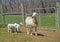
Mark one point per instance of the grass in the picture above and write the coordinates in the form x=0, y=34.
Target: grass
x=50, y=36
x=13, y=37
x=13, y=19
x=45, y=21
x=3, y=25
x=48, y=21
x=0, y=18
x=27, y=39
x=10, y=19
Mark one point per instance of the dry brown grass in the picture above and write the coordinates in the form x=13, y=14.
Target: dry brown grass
x=43, y=36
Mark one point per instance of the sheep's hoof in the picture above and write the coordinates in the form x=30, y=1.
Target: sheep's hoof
x=8, y=31
x=27, y=33
x=31, y=34
x=35, y=34
x=12, y=31
x=18, y=31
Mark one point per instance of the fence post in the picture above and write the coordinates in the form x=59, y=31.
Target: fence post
x=3, y=15
x=57, y=16
x=3, y=19
x=23, y=13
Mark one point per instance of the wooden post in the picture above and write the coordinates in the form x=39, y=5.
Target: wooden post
x=57, y=16
x=3, y=16
x=23, y=13
x=3, y=19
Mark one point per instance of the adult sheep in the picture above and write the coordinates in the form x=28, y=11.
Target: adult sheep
x=31, y=22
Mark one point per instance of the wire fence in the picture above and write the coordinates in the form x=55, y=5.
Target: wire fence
x=58, y=18
x=11, y=19
x=45, y=20
x=48, y=16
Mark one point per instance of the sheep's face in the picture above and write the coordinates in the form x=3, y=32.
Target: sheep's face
x=21, y=24
x=34, y=14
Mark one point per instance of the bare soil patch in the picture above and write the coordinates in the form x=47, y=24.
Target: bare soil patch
x=43, y=36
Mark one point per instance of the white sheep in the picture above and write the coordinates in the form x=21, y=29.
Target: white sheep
x=31, y=22
x=16, y=26
x=10, y=27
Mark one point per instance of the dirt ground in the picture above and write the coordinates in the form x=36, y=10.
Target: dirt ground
x=43, y=36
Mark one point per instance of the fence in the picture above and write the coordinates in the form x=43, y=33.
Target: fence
x=45, y=20
x=48, y=17
x=12, y=17
x=58, y=18
x=48, y=14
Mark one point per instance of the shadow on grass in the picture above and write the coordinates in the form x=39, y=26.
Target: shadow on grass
x=16, y=31
x=39, y=34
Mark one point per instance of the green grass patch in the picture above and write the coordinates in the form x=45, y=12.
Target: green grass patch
x=0, y=18
x=3, y=25
x=14, y=36
x=27, y=39
x=3, y=33
x=13, y=19
x=46, y=21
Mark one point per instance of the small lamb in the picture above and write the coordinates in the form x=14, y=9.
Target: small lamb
x=10, y=27
x=16, y=26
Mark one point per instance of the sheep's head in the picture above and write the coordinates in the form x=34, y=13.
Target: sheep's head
x=15, y=23
x=21, y=23
x=34, y=14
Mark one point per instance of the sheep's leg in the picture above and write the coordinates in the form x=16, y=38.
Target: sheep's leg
x=17, y=30
x=12, y=29
x=35, y=31
x=28, y=31
x=31, y=31
x=9, y=29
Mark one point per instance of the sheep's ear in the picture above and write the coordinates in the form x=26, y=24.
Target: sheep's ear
x=15, y=23
x=21, y=23
x=34, y=14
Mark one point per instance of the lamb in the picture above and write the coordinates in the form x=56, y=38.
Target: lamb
x=16, y=26
x=10, y=27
